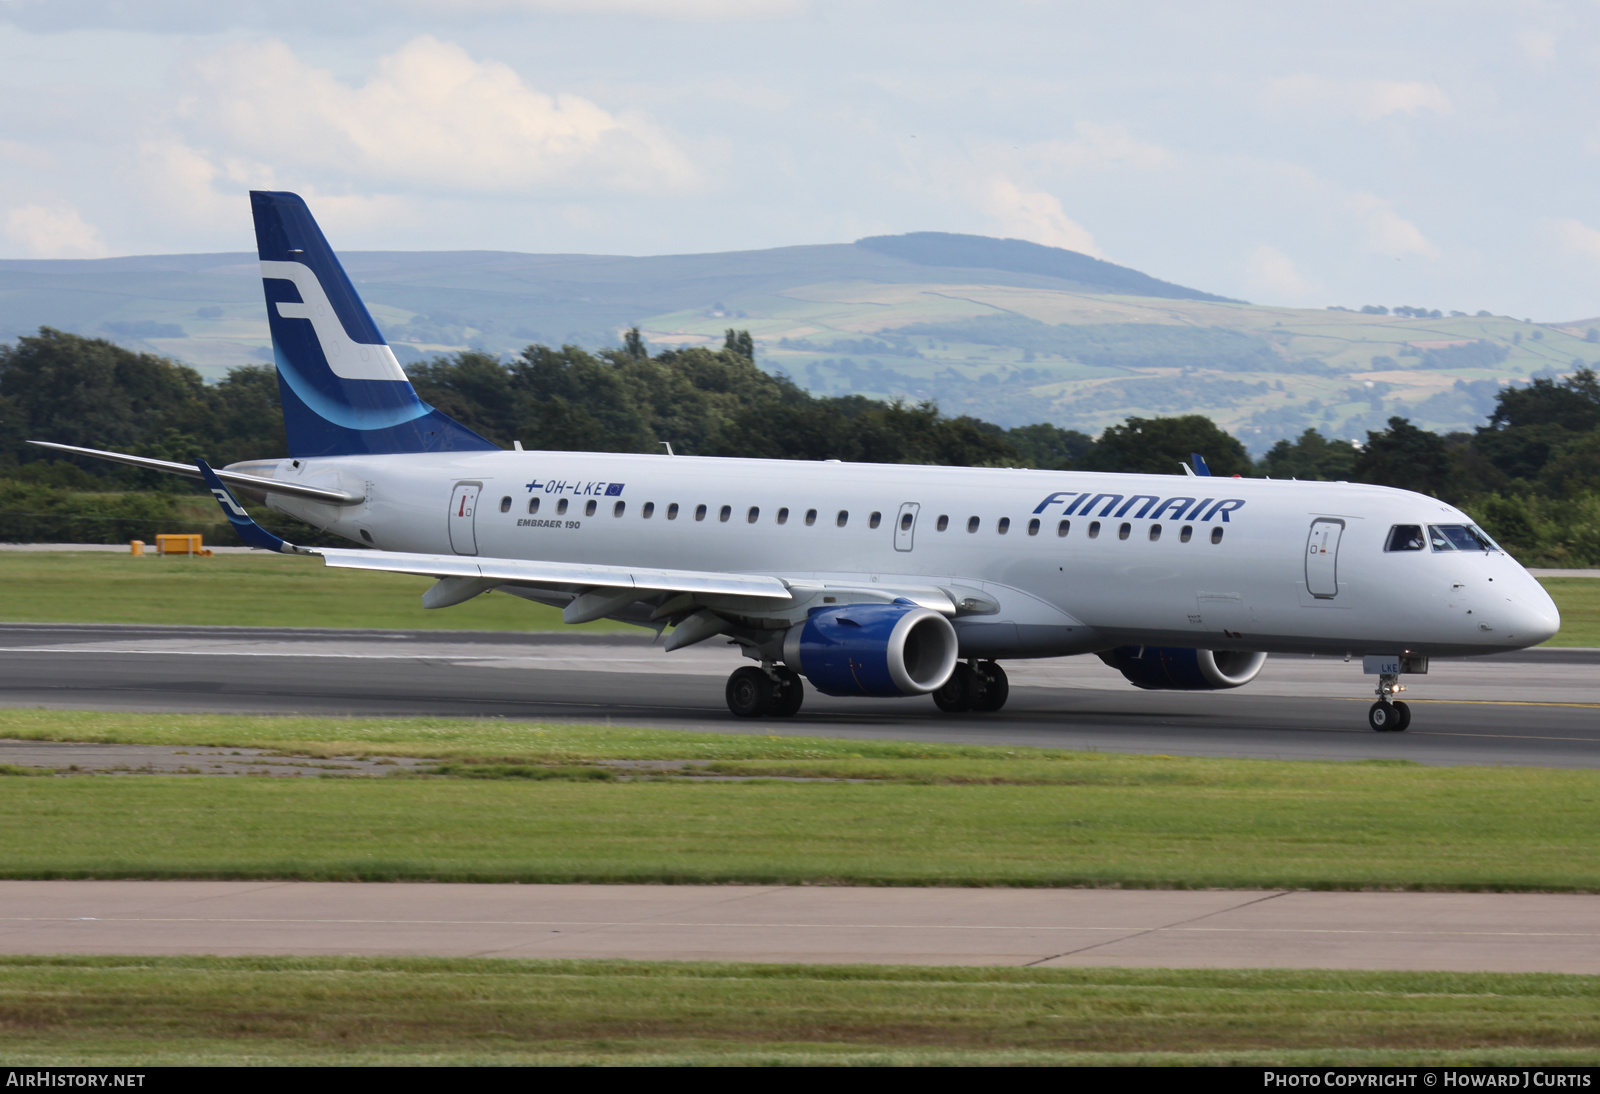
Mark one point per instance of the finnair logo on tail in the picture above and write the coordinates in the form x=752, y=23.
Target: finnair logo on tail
x=231, y=507
x=349, y=360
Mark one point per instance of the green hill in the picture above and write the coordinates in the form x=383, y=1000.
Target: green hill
x=1003, y=329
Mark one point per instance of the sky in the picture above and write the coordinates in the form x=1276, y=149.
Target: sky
x=1434, y=154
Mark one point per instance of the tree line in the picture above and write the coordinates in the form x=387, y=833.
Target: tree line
x=1531, y=473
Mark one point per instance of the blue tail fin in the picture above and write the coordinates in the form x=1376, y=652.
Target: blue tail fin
x=343, y=391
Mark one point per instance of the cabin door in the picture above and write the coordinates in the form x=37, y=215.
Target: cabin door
x=1322, y=558
x=463, y=504
x=905, y=525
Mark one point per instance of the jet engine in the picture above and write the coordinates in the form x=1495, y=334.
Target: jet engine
x=1165, y=668
x=881, y=650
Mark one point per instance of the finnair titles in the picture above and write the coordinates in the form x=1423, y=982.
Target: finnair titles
x=887, y=581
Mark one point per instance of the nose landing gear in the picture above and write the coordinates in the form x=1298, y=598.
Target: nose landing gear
x=1388, y=715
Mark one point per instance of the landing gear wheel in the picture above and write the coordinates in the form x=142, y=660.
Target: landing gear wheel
x=787, y=695
x=993, y=687
x=958, y=692
x=749, y=692
x=1388, y=717
x=1404, y=710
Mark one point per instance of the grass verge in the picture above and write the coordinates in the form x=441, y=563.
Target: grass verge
x=152, y=1011
x=920, y=815
x=264, y=590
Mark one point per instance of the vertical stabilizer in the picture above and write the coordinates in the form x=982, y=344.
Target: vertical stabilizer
x=343, y=391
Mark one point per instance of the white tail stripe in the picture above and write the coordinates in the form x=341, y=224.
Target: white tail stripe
x=349, y=360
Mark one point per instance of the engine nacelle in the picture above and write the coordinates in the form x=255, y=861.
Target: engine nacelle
x=881, y=650
x=1164, y=668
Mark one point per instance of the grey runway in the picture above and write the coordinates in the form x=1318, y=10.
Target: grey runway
x=1540, y=707
x=1484, y=932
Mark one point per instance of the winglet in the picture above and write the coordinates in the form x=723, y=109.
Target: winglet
x=247, y=529
x=1199, y=462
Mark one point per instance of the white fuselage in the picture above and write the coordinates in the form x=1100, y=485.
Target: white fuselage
x=1263, y=583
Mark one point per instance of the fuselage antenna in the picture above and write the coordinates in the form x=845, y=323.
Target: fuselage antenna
x=670, y=452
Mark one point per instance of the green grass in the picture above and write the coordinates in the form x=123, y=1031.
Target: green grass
x=922, y=814
x=1579, y=601
x=131, y=1012
x=254, y=590
x=264, y=590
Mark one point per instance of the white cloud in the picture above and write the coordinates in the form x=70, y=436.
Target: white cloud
x=1386, y=231
x=1576, y=237
x=660, y=9
x=1035, y=216
x=1368, y=100
x=1099, y=148
x=428, y=116
x=1271, y=273
x=1537, y=45
x=53, y=231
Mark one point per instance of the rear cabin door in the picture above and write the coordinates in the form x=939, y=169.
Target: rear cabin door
x=1322, y=558
x=905, y=525
x=463, y=504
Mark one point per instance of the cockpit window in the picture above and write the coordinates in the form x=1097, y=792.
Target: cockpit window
x=1405, y=537
x=1460, y=537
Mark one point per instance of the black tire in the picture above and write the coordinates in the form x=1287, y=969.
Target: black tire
x=1404, y=710
x=1383, y=717
x=958, y=692
x=749, y=692
x=993, y=687
x=788, y=695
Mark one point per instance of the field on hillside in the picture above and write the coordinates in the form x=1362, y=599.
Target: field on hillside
x=1001, y=342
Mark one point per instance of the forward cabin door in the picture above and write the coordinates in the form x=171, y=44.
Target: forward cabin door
x=463, y=504
x=905, y=525
x=1322, y=558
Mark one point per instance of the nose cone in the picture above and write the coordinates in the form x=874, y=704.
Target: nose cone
x=1530, y=616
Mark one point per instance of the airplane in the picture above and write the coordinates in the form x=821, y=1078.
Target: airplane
x=859, y=579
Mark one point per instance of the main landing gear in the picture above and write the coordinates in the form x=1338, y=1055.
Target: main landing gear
x=1388, y=715
x=774, y=692
x=979, y=686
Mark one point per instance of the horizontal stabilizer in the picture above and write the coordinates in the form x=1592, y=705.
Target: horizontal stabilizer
x=253, y=484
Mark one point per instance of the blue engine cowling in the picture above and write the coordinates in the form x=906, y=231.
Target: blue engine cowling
x=1165, y=668
x=880, y=650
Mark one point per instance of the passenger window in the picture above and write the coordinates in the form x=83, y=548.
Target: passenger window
x=1405, y=537
x=753, y=515
x=672, y=511
x=1063, y=528
x=874, y=520
x=649, y=510
x=905, y=522
x=505, y=504
x=724, y=513
x=588, y=510
x=783, y=516
x=699, y=512
x=811, y=517
x=618, y=509
x=561, y=507
x=943, y=523
x=1003, y=526
x=1094, y=529
x=1122, y=533
x=972, y=524
x=533, y=506
x=1033, y=526
x=1155, y=532
x=1186, y=533
x=1216, y=535
x=843, y=518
